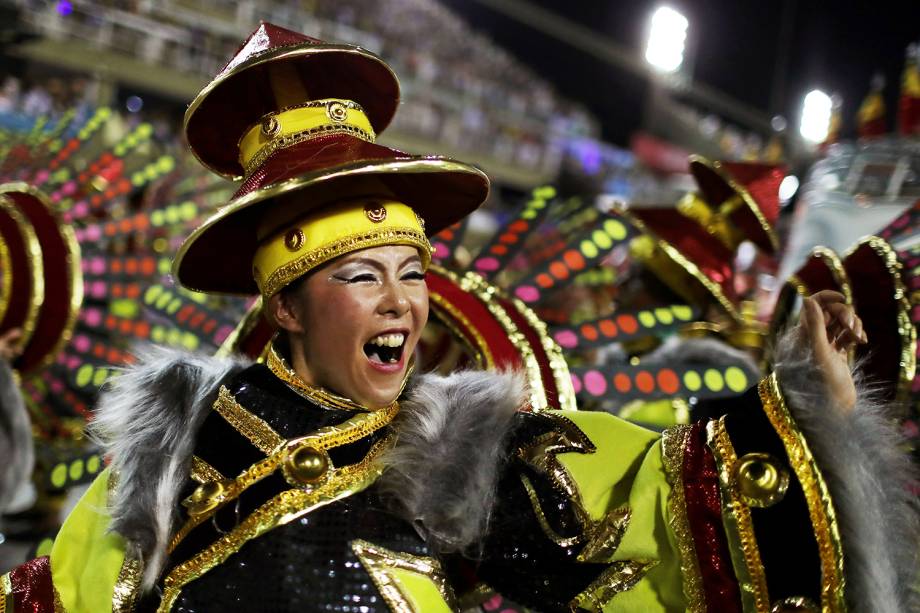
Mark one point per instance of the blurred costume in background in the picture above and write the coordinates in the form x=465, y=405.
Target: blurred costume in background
x=235, y=485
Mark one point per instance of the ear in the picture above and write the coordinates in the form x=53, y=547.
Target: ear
x=282, y=313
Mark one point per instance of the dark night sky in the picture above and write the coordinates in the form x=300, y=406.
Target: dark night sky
x=835, y=46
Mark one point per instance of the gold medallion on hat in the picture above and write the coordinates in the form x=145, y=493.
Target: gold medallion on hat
x=336, y=110
x=294, y=239
x=375, y=211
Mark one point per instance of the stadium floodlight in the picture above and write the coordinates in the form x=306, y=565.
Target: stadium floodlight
x=816, y=116
x=668, y=33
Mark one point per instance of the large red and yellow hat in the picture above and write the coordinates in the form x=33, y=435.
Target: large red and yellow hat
x=297, y=119
x=41, y=283
x=746, y=194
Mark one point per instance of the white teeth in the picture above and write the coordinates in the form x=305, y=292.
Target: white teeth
x=388, y=340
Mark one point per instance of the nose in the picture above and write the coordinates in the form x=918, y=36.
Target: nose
x=394, y=302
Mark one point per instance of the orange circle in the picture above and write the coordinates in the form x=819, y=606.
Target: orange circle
x=142, y=222
x=98, y=351
x=499, y=249
x=508, y=238
x=125, y=326
x=589, y=332
x=446, y=235
x=558, y=270
x=134, y=290
x=608, y=328
x=125, y=224
x=209, y=326
x=518, y=226
x=116, y=290
x=196, y=320
x=645, y=382
x=131, y=266
x=574, y=259
x=628, y=324
x=148, y=266
x=622, y=383
x=544, y=280
x=116, y=266
x=142, y=329
x=668, y=381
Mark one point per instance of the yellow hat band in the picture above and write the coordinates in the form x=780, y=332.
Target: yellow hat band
x=319, y=237
x=305, y=122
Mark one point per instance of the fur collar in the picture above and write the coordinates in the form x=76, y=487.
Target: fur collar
x=440, y=475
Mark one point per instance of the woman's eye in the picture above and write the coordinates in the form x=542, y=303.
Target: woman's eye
x=363, y=278
x=414, y=276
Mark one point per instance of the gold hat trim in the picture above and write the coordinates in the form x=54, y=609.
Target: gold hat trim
x=36, y=270
x=334, y=231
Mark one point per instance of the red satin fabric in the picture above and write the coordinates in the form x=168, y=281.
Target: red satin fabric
x=33, y=591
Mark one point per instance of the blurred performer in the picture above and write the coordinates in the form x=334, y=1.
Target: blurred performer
x=325, y=477
x=16, y=448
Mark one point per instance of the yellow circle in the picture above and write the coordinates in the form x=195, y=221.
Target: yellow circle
x=682, y=312
x=174, y=337
x=158, y=334
x=601, y=239
x=44, y=548
x=174, y=306
x=692, y=380
x=100, y=376
x=190, y=341
x=93, y=464
x=59, y=475
x=615, y=229
x=76, y=470
x=84, y=375
x=713, y=379
x=163, y=299
x=588, y=249
x=646, y=319
x=735, y=379
x=157, y=217
x=664, y=316
x=152, y=293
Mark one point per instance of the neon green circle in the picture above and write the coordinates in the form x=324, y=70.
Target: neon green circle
x=537, y=204
x=93, y=464
x=588, y=249
x=529, y=214
x=164, y=266
x=152, y=293
x=615, y=229
x=692, y=380
x=157, y=217
x=190, y=341
x=601, y=239
x=646, y=319
x=59, y=475
x=84, y=375
x=173, y=306
x=735, y=379
x=76, y=470
x=713, y=379
x=187, y=210
x=174, y=337
x=158, y=334
x=665, y=316
x=100, y=376
x=546, y=192
x=682, y=312
x=145, y=129
x=163, y=299
x=44, y=548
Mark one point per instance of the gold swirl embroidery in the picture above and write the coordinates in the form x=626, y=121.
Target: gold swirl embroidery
x=126, y=587
x=673, y=443
x=379, y=564
x=250, y=426
x=817, y=497
x=326, y=438
x=285, y=507
x=202, y=472
x=299, y=137
x=551, y=534
x=739, y=527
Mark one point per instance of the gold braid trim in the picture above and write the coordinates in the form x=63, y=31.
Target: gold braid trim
x=621, y=576
x=287, y=506
x=250, y=426
x=673, y=443
x=323, y=439
x=379, y=563
x=820, y=506
x=448, y=314
x=548, y=531
x=557, y=362
x=7, y=603
x=202, y=472
x=127, y=585
x=739, y=527
x=327, y=129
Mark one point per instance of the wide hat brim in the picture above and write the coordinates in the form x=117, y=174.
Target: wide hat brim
x=228, y=106
x=718, y=185
x=217, y=257
x=47, y=316
x=705, y=264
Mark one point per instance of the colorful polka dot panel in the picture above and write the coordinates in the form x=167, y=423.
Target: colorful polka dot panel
x=647, y=382
x=583, y=253
x=447, y=240
x=69, y=471
x=194, y=323
x=625, y=326
x=64, y=149
x=510, y=240
x=905, y=225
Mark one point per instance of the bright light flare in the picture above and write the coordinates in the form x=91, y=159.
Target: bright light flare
x=788, y=188
x=665, y=50
x=816, y=116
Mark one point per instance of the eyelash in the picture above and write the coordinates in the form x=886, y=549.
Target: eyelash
x=412, y=276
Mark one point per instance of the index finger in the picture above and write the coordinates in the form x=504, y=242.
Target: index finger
x=828, y=296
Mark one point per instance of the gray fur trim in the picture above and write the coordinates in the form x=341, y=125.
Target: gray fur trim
x=16, y=447
x=442, y=473
x=862, y=460
x=146, y=421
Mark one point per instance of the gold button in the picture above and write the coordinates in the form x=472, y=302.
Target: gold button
x=307, y=465
x=293, y=240
x=760, y=480
x=206, y=497
x=336, y=111
x=270, y=127
x=375, y=211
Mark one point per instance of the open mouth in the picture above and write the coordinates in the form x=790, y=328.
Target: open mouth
x=386, y=348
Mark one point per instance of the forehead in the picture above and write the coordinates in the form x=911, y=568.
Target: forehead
x=387, y=255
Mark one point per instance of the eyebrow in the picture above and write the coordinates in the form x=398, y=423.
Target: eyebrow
x=376, y=264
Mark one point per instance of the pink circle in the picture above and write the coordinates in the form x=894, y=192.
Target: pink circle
x=81, y=209
x=527, y=293
x=92, y=317
x=576, y=383
x=42, y=176
x=97, y=266
x=93, y=233
x=73, y=362
x=595, y=383
x=492, y=603
x=487, y=263
x=900, y=222
x=566, y=338
x=57, y=387
x=69, y=188
x=56, y=197
x=97, y=290
x=440, y=251
x=222, y=334
x=81, y=342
